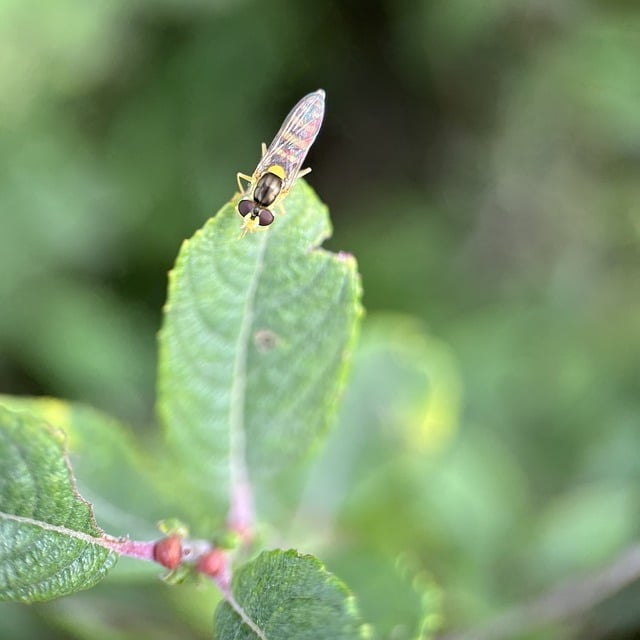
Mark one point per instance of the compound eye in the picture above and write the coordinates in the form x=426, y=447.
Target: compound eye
x=245, y=207
x=265, y=217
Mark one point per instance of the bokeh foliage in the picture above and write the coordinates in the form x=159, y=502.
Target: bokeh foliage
x=481, y=160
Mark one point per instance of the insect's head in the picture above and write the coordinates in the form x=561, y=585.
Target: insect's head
x=254, y=215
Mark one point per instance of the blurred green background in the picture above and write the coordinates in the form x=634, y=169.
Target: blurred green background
x=481, y=159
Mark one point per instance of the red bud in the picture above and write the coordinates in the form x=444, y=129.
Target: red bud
x=212, y=563
x=168, y=552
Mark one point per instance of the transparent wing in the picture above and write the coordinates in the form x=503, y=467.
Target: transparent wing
x=294, y=139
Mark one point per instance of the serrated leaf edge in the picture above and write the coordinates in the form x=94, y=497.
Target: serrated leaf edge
x=104, y=541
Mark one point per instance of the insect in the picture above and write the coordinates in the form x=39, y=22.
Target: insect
x=280, y=164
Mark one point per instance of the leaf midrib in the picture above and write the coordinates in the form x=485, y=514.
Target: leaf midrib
x=239, y=475
x=53, y=528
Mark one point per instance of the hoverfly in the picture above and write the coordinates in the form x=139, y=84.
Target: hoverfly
x=280, y=164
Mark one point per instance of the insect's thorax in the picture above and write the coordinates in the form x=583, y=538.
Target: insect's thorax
x=267, y=189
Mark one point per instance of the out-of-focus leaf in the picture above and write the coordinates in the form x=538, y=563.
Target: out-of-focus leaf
x=462, y=495
x=582, y=530
x=415, y=407
x=412, y=601
x=289, y=595
x=112, y=611
x=254, y=346
x=49, y=540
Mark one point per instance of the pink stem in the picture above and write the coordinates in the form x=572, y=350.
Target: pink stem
x=131, y=548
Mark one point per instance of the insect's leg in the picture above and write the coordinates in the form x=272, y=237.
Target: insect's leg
x=304, y=172
x=264, y=149
x=242, y=176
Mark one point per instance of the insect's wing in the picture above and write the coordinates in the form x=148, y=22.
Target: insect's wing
x=297, y=133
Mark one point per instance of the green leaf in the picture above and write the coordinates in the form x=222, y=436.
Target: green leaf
x=255, y=342
x=50, y=544
x=109, y=469
x=289, y=595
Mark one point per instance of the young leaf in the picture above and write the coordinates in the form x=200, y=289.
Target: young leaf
x=256, y=337
x=49, y=540
x=289, y=595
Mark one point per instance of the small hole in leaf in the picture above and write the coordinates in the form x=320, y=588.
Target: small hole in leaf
x=265, y=340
